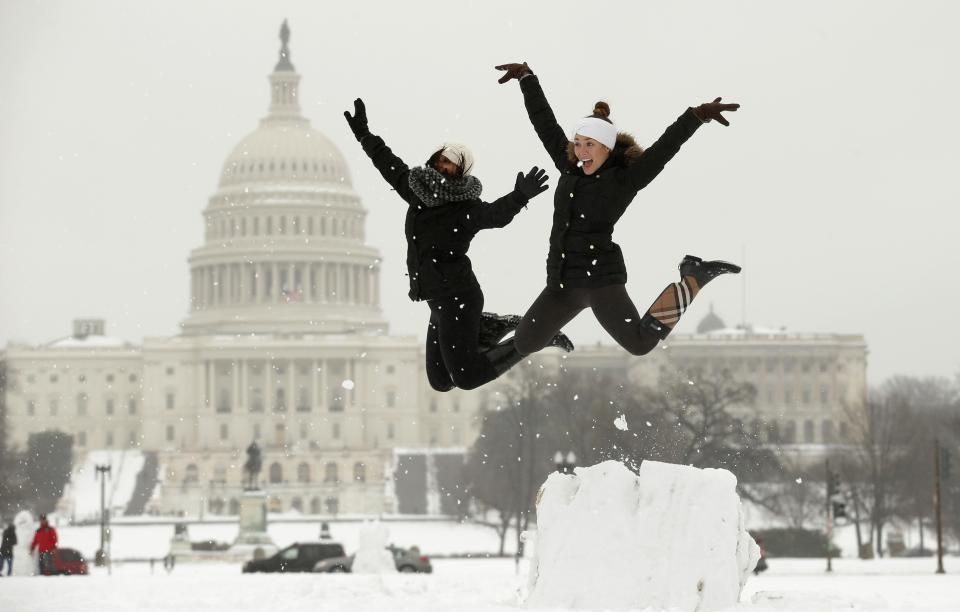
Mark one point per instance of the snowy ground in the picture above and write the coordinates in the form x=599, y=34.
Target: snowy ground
x=462, y=584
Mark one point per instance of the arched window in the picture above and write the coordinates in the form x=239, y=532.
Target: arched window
x=297, y=504
x=790, y=433
x=773, y=432
x=359, y=472
x=330, y=473
x=191, y=474
x=220, y=473
x=808, y=431
x=303, y=472
x=217, y=505
x=82, y=404
x=332, y=504
x=276, y=473
x=234, y=507
x=315, y=505
x=827, y=432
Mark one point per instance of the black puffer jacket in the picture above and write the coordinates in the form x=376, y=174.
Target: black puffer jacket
x=438, y=237
x=582, y=250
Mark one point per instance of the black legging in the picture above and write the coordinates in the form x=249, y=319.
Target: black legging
x=454, y=357
x=554, y=308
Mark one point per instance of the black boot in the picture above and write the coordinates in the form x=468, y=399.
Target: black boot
x=493, y=327
x=706, y=271
x=503, y=357
x=561, y=341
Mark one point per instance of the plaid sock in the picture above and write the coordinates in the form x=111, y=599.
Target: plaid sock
x=673, y=301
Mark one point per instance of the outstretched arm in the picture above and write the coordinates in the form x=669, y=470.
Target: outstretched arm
x=653, y=160
x=501, y=211
x=391, y=167
x=538, y=109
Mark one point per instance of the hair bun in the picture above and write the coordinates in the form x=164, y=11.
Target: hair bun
x=601, y=109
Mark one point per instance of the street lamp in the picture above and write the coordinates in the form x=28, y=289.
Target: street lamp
x=102, y=472
x=565, y=464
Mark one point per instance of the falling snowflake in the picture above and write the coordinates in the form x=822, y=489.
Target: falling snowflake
x=347, y=384
x=621, y=423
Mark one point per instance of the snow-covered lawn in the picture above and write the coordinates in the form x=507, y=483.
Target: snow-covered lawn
x=462, y=585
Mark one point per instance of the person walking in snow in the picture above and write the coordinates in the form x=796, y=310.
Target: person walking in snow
x=6, y=547
x=444, y=214
x=45, y=542
x=601, y=172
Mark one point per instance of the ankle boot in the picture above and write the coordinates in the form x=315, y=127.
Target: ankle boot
x=561, y=341
x=504, y=356
x=493, y=327
x=705, y=271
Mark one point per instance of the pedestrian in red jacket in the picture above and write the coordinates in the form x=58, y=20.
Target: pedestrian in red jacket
x=45, y=541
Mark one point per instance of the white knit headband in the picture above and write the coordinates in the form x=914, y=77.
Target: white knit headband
x=598, y=129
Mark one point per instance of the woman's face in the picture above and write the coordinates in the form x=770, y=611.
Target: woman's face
x=446, y=167
x=590, y=152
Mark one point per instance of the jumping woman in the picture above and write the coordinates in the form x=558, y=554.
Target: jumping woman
x=601, y=171
x=444, y=214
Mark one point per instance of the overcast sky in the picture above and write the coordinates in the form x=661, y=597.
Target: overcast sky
x=837, y=178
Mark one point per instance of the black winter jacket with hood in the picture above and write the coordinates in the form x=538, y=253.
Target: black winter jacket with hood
x=438, y=237
x=586, y=207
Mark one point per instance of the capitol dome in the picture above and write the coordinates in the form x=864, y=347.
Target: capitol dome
x=710, y=323
x=288, y=151
x=284, y=249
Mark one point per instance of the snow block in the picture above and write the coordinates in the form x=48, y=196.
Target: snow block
x=668, y=537
x=373, y=556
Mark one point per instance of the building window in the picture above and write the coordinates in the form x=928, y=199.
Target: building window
x=170, y=370
x=359, y=472
x=109, y=407
x=824, y=395
x=256, y=431
x=330, y=473
x=276, y=473
x=132, y=405
x=390, y=369
x=303, y=473
x=297, y=504
x=53, y=378
x=790, y=433
x=333, y=505
x=54, y=407
x=82, y=404
x=224, y=431
x=82, y=378
x=280, y=401
x=304, y=431
x=171, y=400
x=31, y=407
x=808, y=432
x=109, y=378
x=256, y=400
x=191, y=474
x=81, y=438
x=108, y=440
x=827, y=432
x=223, y=401
x=806, y=396
x=133, y=378
x=170, y=433
x=303, y=400
x=336, y=431
x=390, y=431
x=280, y=434
x=391, y=399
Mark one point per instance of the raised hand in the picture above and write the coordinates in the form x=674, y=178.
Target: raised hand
x=709, y=111
x=358, y=121
x=533, y=184
x=514, y=71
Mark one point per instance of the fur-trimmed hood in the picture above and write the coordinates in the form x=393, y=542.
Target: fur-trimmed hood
x=625, y=152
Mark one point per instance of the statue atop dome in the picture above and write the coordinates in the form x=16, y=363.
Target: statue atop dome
x=284, y=63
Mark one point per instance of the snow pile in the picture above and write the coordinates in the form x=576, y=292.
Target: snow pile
x=82, y=495
x=373, y=556
x=670, y=537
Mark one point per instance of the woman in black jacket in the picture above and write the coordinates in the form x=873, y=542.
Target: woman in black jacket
x=601, y=172
x=445, y=213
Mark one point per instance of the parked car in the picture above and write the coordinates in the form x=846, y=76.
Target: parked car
x=67, y=561
x=298, y=557
x=407, y=561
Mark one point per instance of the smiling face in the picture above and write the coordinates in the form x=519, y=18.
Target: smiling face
x=591, y=152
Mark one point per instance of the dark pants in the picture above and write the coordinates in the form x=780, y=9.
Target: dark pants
x=454, y=357
x=613, y=308
x=8, y=559
x=46, y=564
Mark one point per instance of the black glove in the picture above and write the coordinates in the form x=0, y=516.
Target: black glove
x=358, y=121
x=533, y=184
x=514, y=71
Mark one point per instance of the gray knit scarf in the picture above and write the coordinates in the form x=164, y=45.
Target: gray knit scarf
x=434, y=189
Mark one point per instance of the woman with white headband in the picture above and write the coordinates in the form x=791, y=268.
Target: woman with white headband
x=601, y=172
x=444, y=213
